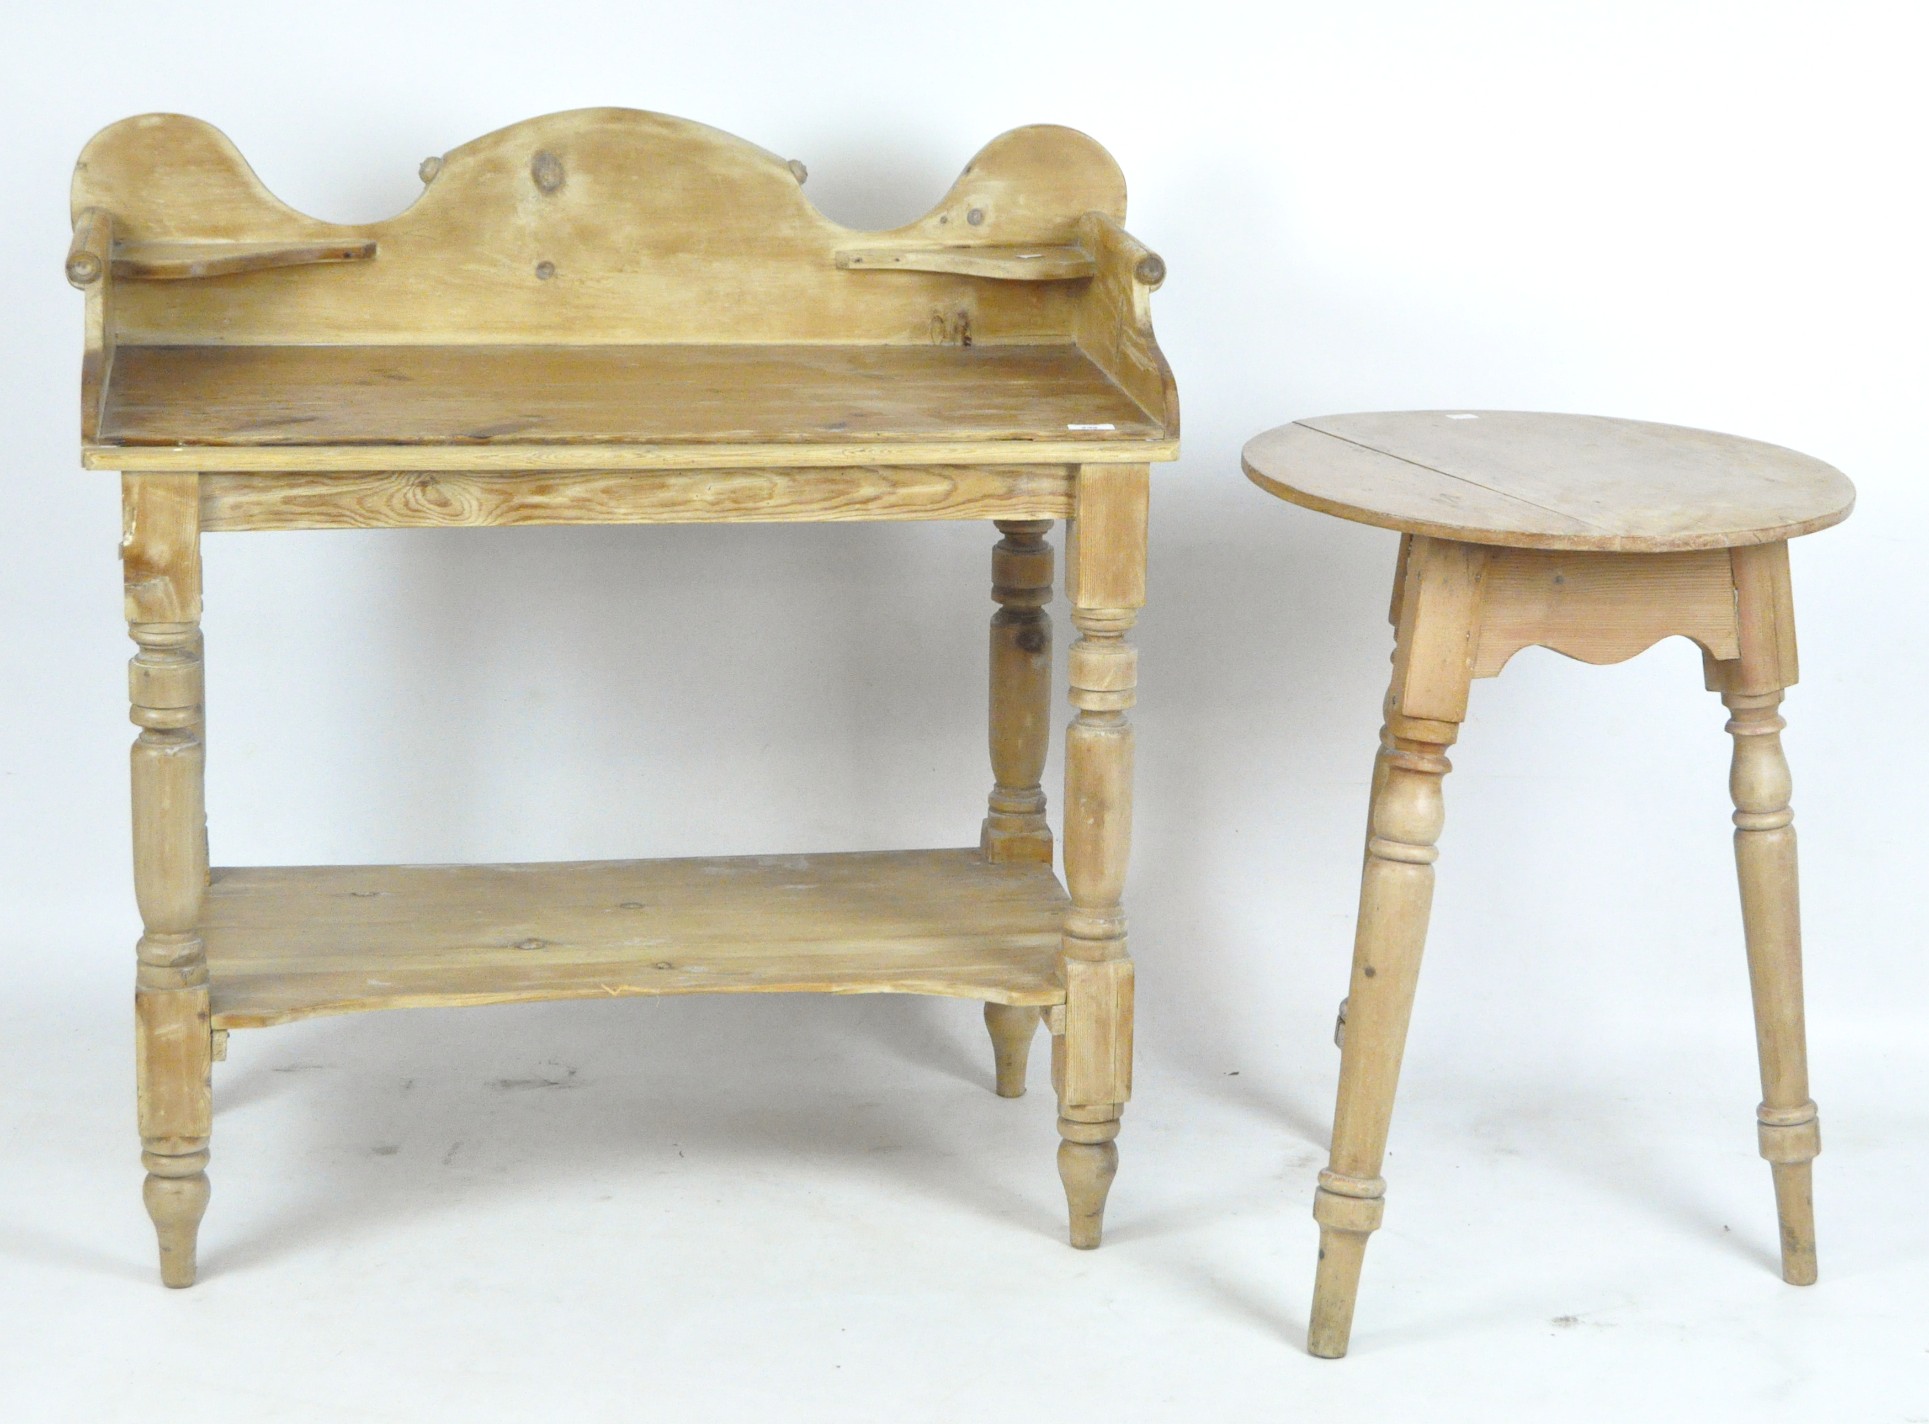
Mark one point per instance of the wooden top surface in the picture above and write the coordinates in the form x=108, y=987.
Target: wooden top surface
x=1549, y=481
x=300, y=396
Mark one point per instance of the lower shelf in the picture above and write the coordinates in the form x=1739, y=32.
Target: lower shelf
x=286, y=943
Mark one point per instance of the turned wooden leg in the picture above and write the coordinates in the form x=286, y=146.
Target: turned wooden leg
x=1428, y=699
x=1396, y=603
x=1012, y=1028
x=1015, y=828
x=1396, y=896
x=1759, y=782
x=1092, y=1055
x=1373, y=795
x=173, y=1045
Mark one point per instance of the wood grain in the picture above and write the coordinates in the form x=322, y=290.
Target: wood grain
x=1549, y=481
x=598, y=395
x=1461, y=608
x=1032, y=262
x=1019, y=706
x=1603, y=608
x=161, y=567
x=188, y=261
x=292, y=943
x=90, y=250
x=1113, y=322
x=609, y=316
x=422, y=499
x=639, y=228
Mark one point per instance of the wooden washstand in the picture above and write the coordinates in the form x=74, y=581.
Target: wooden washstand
x=615, y=317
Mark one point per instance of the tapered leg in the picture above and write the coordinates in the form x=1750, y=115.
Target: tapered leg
x=1751, y=687
x=1012, y=1028
x=1771, y=919
x=1396, y=896
x=173, y=1047
x=1092, y=1056
x=1436, y=613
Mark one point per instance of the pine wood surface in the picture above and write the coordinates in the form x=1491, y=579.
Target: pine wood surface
x=579, y=395
x=605, y=228
x=187, y=261
x=286, y=943
x=609, y=316
x=1019, y=262
x=1546, y=481
x=419, y=499
x=654, y=229
x=1460, y=610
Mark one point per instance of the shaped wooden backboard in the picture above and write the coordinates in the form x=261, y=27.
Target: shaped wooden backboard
x=593, y=226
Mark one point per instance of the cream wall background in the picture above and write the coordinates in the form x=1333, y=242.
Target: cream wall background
x=1709, y=214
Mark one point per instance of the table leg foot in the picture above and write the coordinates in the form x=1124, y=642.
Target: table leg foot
x=176, y=1193
x=1012, y=1028
x=1088, y=1160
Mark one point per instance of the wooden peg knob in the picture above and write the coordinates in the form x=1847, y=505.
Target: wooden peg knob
x=798, y=171
x=430, y=167
x=1151, y=269
x=547, y=171
x=87, y=256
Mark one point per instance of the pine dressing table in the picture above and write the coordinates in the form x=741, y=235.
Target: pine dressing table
x=603, y=317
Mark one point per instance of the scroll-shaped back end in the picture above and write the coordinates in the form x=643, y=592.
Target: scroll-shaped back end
x=589, y=227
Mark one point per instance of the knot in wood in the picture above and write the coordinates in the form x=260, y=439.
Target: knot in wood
x=547, y=171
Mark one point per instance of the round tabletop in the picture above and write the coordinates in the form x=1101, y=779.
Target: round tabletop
x=1549, y=481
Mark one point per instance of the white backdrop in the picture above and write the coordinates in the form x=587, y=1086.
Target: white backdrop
x=1708, y=214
